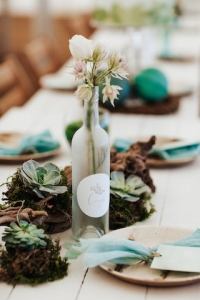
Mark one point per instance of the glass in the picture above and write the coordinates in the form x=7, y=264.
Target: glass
x=90, y=175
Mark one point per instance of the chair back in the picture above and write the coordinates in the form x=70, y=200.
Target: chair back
x=41, y=56
x=15, y=86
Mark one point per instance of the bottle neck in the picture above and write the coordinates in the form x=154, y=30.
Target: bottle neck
x=91, y=110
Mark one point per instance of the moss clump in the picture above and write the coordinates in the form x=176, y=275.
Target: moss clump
x=125, y=213
x=33, y=267
x=17, y=190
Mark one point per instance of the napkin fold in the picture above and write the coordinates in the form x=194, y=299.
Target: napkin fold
x=37, y=143
x=120, y=251
x=168, y=151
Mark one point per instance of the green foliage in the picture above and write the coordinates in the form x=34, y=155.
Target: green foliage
x=43, y=180
x=17, y=190
x=24, y=235
x=130, y=200
x=129, y=189
x=33, y=267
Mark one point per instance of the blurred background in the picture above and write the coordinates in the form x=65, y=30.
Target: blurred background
x=34, y=34
x=22, y=20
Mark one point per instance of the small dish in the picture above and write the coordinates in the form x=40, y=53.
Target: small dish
x=58, y=82
x=11, y=139
x=155, y=160
x=141, y=273
x=163, y=143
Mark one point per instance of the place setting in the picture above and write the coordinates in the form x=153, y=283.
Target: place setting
x=16, y=147
x=166, y=152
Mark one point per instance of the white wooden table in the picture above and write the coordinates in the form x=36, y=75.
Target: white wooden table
x=177, y=197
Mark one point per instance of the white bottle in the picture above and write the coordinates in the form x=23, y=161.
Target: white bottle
x=90, y=175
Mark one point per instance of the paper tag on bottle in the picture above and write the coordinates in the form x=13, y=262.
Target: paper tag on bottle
x=93, y=194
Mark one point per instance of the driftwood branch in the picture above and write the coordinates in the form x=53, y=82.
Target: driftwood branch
x=133, y=161
x=10, y=214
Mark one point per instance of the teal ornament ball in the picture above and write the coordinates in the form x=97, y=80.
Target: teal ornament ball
x=123, y=94
x=151, y=85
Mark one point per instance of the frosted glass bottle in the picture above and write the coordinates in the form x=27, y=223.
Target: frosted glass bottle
x=90, y=175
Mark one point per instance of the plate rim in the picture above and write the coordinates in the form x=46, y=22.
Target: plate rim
x=147, y=282
x=155, y=162
x=25, y=157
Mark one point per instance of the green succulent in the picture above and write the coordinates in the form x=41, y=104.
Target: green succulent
x=42, y=180
x=129, y=189
x=24, y=235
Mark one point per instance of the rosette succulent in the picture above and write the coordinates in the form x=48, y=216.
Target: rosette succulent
x=43, y=180
x=129, y=200
x=24, y=235
x=129, y=189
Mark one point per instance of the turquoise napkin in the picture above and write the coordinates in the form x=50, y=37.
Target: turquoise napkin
x=122, y=145
x=177, y=150
x=37, y=143
x=119, y=250
x=169, y=151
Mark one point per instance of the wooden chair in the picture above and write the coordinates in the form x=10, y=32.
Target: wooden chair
x=80, y=25
x=39, y=57
x=67, y=26
x=15, y=86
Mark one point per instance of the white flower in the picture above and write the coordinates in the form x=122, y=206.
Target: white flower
x=110, y=91
x=84, y=92
x=79, y=69
x=88, y=59
x=80, y=47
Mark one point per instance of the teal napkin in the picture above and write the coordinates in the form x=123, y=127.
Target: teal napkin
x=122, y=145
x=120, y=251
x=177, y=150
x=170, y=151
x=37, y=143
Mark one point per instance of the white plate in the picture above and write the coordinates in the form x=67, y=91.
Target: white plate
x=160, y=163
x=157, y=162
x=59, y=82
x=180, y=89
x=11, y=139
x=142, y=273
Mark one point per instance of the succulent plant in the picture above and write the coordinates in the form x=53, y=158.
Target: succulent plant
x=129, y=189
x=42, y=180
x=25, y=235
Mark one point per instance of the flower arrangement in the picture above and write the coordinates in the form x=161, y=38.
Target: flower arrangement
x=87, y=66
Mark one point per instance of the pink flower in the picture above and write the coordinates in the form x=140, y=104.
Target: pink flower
x=122, y=60
x=84, y=92
x=118, y=63
x=110, y=91
x=79, y=69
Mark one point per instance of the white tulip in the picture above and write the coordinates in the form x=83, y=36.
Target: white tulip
x=80, y=47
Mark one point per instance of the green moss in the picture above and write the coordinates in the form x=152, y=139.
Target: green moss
x=125, y=213
x=33, y=267
x=17, y=190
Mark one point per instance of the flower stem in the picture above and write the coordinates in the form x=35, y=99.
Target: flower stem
x=89, y=126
